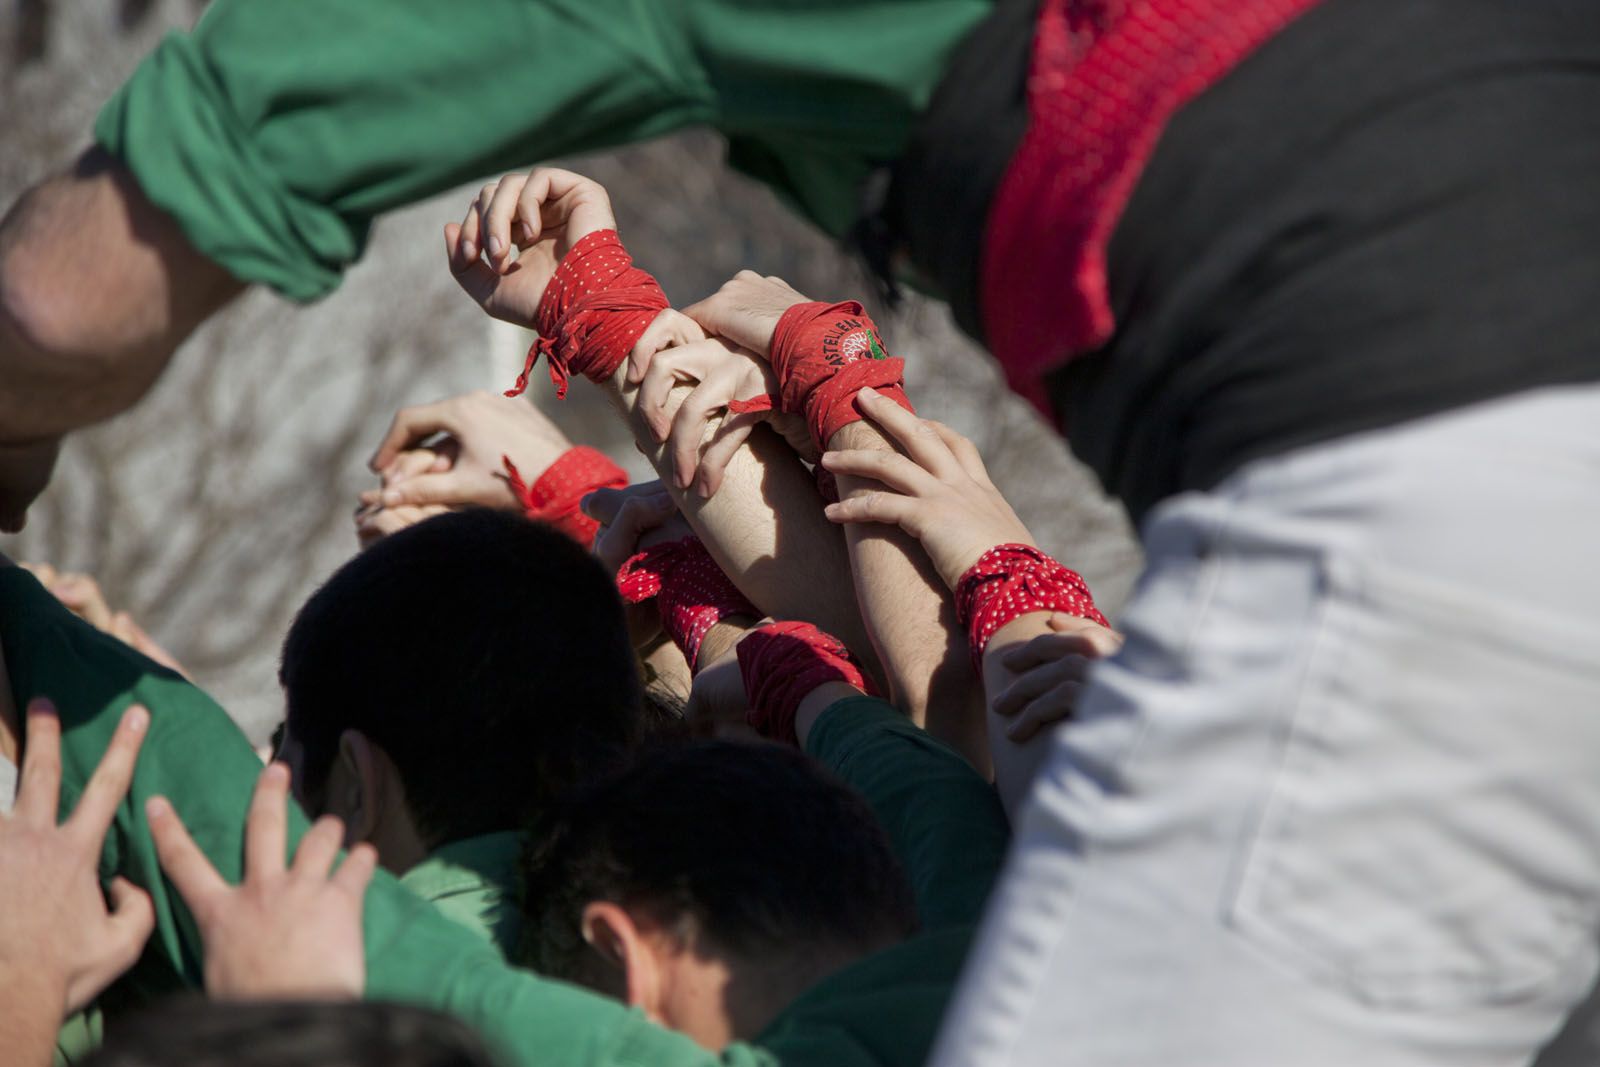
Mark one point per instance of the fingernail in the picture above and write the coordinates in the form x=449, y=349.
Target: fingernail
x=469, y=250
x=276, y=773
x=391, y=497
x=867, y=390
x=496, y=246
x=135, y=719
x=156, y=808
x=828, y=458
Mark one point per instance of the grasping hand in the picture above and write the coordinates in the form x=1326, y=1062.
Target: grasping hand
x=479, y=429
x=941, y=494
x=745, y=310
x=720, y=372
x=57, y=936
x=1050, y=671
x=542, y=214
x=281, y=933
x=631, y=520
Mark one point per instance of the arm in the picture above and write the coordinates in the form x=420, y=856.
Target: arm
x=196, y=758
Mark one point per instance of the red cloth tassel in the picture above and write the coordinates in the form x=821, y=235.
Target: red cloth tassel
x=691, y=591
x=555, y=497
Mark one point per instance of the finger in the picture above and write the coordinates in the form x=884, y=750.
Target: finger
x=874, y=506
x=409, y=464
x=1035, y=683
x=42, y=571
x=897, y=472
x=501, y=210
x=1046, y=648
x=688, y=431
x=447, y=488
x=319, y=847
x=471, y=229
x=454, y=256
x=1054, y=706
x=39, y=788
x=916, y=435
x=132, y=920
x=266, y=828
x=965, y=452
x=1106, y=641
x=602, y=505
x=670, y=370
x=723, y=446
x=669, y=329
x=410, y=427
x=355, y=873
x=185, y=865
x=109, y=783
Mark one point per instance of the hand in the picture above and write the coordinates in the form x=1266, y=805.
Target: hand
x=56, y=934
x=941, y=495
x=720, y=372
x=24, y=472
x=746, y=310
x=279, y=934
x=480, y=431
x=374, y=521
x=631, y=520
x=81, y=595
x=1050, y=671
x=542, y=214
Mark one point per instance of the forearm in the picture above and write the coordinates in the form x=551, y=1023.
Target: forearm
x=30, y=1018
x=764, y=527
x=911, y=620
x=97, y=288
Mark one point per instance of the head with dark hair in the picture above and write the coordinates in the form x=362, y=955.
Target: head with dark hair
x=190, y=1032
x=453, y=678
x=709, y=884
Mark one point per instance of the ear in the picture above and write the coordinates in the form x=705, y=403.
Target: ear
x=613, y=933
x=363, y=786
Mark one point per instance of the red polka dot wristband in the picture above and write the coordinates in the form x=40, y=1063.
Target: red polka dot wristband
x=592, y=313
x=555, y=495
x=782, y=663
x=1010, y=581
x=692, y=592
x=823, y=355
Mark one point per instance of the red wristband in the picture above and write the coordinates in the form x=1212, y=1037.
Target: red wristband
x=692, y=592
x=592, y=313
x=823, y=355
x=1010, y=581
x=555, y=495
x=782, y=663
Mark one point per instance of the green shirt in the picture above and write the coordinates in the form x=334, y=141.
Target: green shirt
x=278, y=130
x=473, y=881
x=883, y=1010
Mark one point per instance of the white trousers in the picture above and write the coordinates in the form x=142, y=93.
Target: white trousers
x=1337, y=800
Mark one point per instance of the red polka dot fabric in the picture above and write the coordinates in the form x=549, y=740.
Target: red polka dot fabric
x=1010, y=581
x=592, y=313
x=557, y=494
x=823, y=355
x=782, y=663
x=691, y=591
x=1105, y=78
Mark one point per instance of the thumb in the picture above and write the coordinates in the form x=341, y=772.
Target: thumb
x=133, y=918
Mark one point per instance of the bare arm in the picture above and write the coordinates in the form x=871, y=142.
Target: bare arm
x=97, y=288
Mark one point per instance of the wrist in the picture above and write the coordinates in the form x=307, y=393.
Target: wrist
x=723, y=638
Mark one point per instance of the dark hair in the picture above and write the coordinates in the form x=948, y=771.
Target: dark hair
x=486, y=654
x=751, y=849
x=191, y=1032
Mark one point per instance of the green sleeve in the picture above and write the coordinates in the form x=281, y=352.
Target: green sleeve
x=943, y=818
x=197, y=758
x=278, y=130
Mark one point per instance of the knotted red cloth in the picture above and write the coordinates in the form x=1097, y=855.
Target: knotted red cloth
x=555, y=495
x=1105, y=78
x=1013, y=580
x=781, y=663
x=692, y=592
x=592, y=313
x=823, y=355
